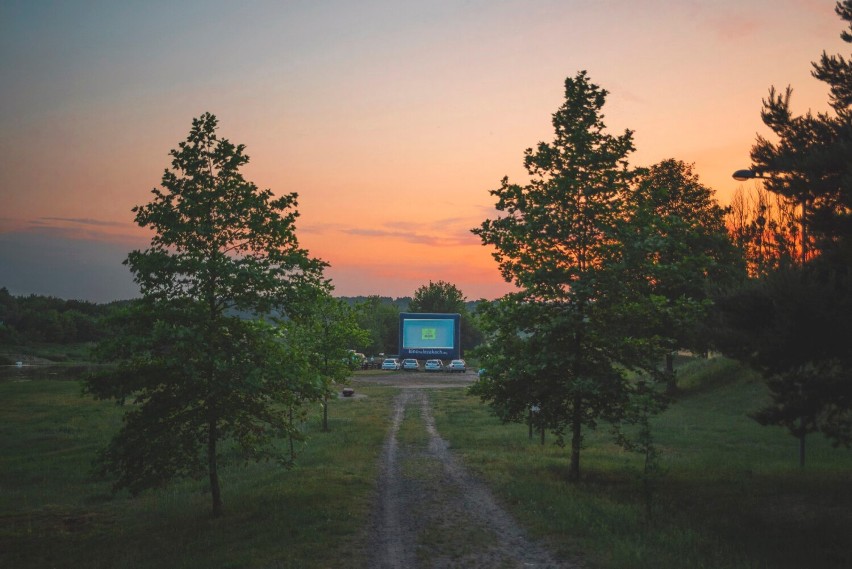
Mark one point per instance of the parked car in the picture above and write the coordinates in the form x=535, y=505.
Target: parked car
x=410, y=364
x=390, y=363
x=434, y=365
x=457, y=365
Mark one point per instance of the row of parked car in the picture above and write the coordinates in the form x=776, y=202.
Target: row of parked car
x=410, y=364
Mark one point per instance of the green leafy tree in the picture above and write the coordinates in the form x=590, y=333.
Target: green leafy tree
x=446, y=298
x=195, y=373
x=328, y=333
x=380, y=318
x=555, y=241
x=440, y=297
x=676, y=250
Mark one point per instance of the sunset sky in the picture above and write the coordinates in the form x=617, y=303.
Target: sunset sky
x=391, y=119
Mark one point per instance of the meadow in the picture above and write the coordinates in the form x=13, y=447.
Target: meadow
x=729, y=494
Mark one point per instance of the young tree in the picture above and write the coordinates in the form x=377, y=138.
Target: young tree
x=195, y=373
x=557, y=237
x=328, y=333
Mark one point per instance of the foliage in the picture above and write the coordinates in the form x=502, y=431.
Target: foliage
x=547, y=344
x=615, y=269
x=793, y=323
x=381, y=320
x=197, y=375
x=677, y=242
x=794, y=327
x=34, y=318
x=327, y=334
x=443, y=297
x=810, y=163
x=438, y=297
x=676, y=252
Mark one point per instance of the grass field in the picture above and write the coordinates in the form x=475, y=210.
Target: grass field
x=53, y=514
x=730, y=496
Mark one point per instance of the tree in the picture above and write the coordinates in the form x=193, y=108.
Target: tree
x=438, y=297
x=557, y=238
x=794, y=329
x=195, y=372
x=792, y=324
x=327, y=334
x=765, y=228
x=445, y=298
x=676, y=247
x=381, y=320
x=810, y=162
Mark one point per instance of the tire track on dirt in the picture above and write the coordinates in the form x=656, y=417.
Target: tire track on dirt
x=432, y=513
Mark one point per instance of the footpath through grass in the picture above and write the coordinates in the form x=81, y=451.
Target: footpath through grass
x=731, y=494
x=53, y=514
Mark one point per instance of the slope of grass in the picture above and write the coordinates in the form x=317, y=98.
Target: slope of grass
x=53, y=514
x=730, y=494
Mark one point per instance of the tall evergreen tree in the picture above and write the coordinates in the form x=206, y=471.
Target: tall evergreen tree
x=810, y=164
x=793, y=324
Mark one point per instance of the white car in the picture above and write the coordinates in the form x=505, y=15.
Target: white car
x=434, y=365
x=457, y=365
x=410, y=364
x=390, y=363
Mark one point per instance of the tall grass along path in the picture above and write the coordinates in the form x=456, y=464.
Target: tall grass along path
x=431, y=512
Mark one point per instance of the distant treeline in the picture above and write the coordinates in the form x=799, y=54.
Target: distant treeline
x=35, y=318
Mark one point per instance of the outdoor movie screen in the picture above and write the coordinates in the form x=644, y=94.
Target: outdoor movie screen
x=424, y=335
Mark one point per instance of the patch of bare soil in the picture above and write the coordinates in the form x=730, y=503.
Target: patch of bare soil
x=432, y=513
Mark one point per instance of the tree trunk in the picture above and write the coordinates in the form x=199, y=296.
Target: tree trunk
x=671, y=382
x=325, y=415
x=576, y=441
x=530, y=421
x=802, y=445
x=290, y=436
x=215, y=492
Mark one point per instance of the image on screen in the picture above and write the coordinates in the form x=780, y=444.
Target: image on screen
x=428, y=333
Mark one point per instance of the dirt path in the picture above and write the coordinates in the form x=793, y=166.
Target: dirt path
x=432, y=513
